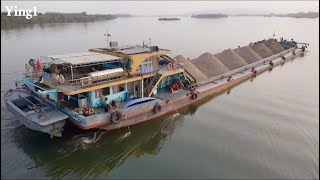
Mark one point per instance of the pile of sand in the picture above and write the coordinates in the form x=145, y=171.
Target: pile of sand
x=191, y=69
x=274, y=46
x=209, y=65
x=249, y=55
x=231, y=59
x=262, y=50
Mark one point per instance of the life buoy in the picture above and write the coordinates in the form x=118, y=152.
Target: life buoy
x=157, y=108
x=91, y=111
x=86, y=112
x=175, y=65
x=194, y=96
x=116, y=117
x=56, y=77
x=170, y=66
x=61, y=79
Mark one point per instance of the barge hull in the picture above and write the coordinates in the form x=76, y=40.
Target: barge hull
x=172, y=107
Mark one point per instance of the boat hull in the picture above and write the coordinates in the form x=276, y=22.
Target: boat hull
x=171, y=105
x=53, y=127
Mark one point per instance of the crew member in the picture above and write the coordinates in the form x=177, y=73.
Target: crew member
x=105, y=104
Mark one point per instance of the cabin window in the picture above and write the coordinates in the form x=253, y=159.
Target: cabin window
x=102, y=92
x=147, y=67
x=106, y=91
x=122, y=87
x=118, y=88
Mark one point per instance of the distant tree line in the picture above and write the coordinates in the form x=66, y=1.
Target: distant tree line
x=297, y=15
x=293, y=15
x=209, y=16
x=51, y=17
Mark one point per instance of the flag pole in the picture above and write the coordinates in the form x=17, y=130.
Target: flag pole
x=108, y=38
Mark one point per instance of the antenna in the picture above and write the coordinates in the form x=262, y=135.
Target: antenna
x=108, y=35
x=150, y=41
x=274, y=33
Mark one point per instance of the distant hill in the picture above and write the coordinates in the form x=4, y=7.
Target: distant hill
x=52, y=17
x=293, y=15
x=168, y=19
x=209, y=16
x=297, y=15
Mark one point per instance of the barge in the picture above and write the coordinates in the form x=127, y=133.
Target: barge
x=112, y=88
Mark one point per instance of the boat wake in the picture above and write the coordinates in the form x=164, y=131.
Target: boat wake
x=127, y=134
x=84, y=141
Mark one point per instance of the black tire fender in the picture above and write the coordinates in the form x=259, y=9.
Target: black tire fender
x=116, y=117
x=157, y=108
x=194, y=96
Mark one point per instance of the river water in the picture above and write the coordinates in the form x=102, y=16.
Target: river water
x=265, y=128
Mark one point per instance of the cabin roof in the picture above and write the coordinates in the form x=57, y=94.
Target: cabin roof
x=83, y=58
x=133, y=50
x=138, y=50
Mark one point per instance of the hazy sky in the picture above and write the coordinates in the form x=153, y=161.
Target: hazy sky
x=167, y=7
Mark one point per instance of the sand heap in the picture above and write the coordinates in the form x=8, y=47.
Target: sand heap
x=262, y=50
x=191, y=69
x=249, y=55
x=231, y=59
x=209, y=65
x=274, y=46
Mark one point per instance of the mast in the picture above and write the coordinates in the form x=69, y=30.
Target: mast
x=108, y=42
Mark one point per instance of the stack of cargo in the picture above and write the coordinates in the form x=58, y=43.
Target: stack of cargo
x=231, y=59
x=249, y=55
x=191, y=69
x=262, y=50
x=209, y=65
x=274, y=46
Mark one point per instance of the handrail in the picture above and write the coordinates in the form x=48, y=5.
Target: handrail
x=155, y=86
x=87, y=81
x=243, y=68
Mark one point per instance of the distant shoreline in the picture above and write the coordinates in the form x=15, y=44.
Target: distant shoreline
x=169, y=19
x=8, y=22
x=292, y=15
x=53, y=17
x=209, y=16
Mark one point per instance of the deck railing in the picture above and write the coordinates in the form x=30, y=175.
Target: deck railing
x=249, y=66
x=54, y=79
x=84, y=81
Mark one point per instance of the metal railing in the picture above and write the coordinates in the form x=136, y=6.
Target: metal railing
x=249, y=66
x=85, y=81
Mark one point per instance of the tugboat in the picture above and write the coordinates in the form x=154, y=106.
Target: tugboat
x=112, y=88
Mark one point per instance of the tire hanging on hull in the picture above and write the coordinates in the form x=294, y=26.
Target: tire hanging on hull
x=116, y=117
x=157, y=108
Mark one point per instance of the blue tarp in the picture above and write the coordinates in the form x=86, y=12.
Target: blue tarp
x=138, y=101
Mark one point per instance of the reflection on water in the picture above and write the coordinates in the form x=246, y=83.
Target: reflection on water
x=264, y=128
x=95, y=153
